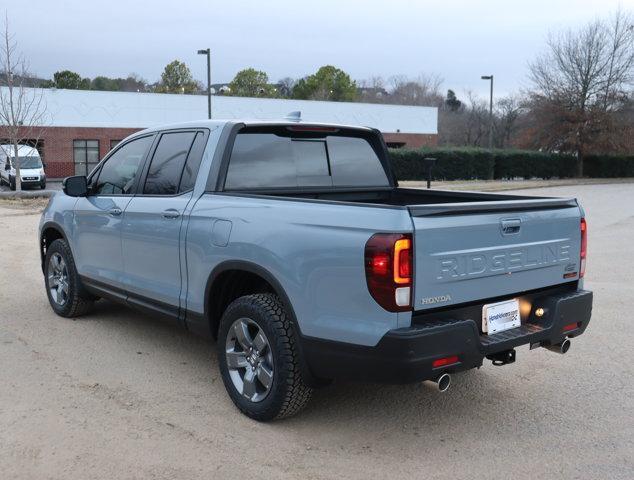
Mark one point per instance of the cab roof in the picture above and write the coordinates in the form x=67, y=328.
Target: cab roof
x=212, y=124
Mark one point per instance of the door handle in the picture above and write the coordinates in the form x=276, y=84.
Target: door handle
x=171, y=213
x=510, y=226
x=115, y=212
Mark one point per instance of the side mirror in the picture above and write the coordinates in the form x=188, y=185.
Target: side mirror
x=44, y=165
x=7, y=166
x=76, y=186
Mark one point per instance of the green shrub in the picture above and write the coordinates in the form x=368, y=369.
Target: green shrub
x=608, y=166
x=451, y=163
x=479, y=163
x=529, y=164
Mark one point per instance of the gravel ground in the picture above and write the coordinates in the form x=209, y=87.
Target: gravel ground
x=117, y=395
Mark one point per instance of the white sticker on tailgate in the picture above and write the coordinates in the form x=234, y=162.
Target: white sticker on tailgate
x=497, y=317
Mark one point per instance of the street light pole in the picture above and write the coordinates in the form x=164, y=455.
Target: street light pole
x=207, y=52
x=490, y=77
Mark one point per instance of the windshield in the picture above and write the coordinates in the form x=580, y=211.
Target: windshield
x=28, y=162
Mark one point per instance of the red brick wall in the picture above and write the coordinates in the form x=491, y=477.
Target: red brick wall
x=412, y=140
x=57, y=144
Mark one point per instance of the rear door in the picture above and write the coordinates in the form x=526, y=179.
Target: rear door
x=473, y=251
x=153, y=220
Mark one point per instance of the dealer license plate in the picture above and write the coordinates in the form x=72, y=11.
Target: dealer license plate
x=497, y=317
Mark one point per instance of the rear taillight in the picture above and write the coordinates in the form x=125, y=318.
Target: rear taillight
x=388, y=270
x=584, y=247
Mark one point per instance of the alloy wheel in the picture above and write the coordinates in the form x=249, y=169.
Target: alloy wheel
x=249, y=359
x=58, y=281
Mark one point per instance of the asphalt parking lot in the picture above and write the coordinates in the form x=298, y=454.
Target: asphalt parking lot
x=51, y=186
x=118, y=395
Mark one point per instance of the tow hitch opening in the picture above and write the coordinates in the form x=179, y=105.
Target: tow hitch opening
x=502, y=358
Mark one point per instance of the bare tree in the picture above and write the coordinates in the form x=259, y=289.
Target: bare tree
x=579, y=82
x=465, y=126
x=285, y=86
x=505, y=124
x=424, y=90
x=22, y=109
x=373, y=90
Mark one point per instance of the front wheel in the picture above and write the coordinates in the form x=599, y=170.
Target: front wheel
x=43, y=185
x=259, y=359
x=63, y=286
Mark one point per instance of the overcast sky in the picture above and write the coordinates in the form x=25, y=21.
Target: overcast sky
x=459, y=40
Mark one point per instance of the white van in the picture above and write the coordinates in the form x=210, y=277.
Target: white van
x=31, y=166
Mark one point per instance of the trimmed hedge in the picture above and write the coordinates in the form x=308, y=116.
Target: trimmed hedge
x=479, y=163
x=451, y=163
x=608, y=166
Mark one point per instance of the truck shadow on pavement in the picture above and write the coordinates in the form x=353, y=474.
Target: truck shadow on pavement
x=474, y=396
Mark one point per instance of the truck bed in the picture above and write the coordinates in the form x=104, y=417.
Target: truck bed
x=419, y=200
x=469, y=245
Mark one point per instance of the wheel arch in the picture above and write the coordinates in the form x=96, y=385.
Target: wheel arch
x=50, y=232
x=270, y=283
x=250, y=268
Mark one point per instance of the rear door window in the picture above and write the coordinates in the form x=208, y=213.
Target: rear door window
x=268, y=160
x=166, y=168
x=190, y=172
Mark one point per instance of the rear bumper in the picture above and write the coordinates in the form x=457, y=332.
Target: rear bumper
x=406, y=355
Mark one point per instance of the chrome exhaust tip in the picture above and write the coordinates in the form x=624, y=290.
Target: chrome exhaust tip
x=442, y=382
x=560, y=348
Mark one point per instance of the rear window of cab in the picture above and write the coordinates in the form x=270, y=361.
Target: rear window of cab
x=265, y=160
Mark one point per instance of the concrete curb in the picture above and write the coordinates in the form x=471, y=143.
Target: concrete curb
x=29, y=194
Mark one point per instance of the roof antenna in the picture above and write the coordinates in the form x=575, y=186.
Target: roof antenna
x=294, y=116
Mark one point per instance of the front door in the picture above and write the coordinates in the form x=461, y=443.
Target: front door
x=152, y=223
x=98, y=217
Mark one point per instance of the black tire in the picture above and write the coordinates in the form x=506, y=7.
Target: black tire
x=43, y=185
x=288, y=392
x=11, y=183
x=77, y=300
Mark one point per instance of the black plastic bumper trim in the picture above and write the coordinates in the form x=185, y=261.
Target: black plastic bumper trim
x=405, y=355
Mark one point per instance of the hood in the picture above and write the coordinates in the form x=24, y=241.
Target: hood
x=25, y=172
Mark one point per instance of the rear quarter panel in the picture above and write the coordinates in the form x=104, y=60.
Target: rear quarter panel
x=315, y=250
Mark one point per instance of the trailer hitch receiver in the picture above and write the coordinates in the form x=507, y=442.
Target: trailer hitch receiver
x=502, y=358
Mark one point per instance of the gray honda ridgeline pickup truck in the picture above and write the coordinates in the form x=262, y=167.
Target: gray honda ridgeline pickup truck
x=293, y=246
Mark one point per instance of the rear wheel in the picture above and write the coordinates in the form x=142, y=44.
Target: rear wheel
x=12, y=183
x=259, y=360
x=63, y=286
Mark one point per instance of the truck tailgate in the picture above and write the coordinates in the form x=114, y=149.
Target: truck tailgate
x=471, y=251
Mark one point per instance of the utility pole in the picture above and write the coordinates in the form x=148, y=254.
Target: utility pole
x=207, y=52
x=490, y=77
